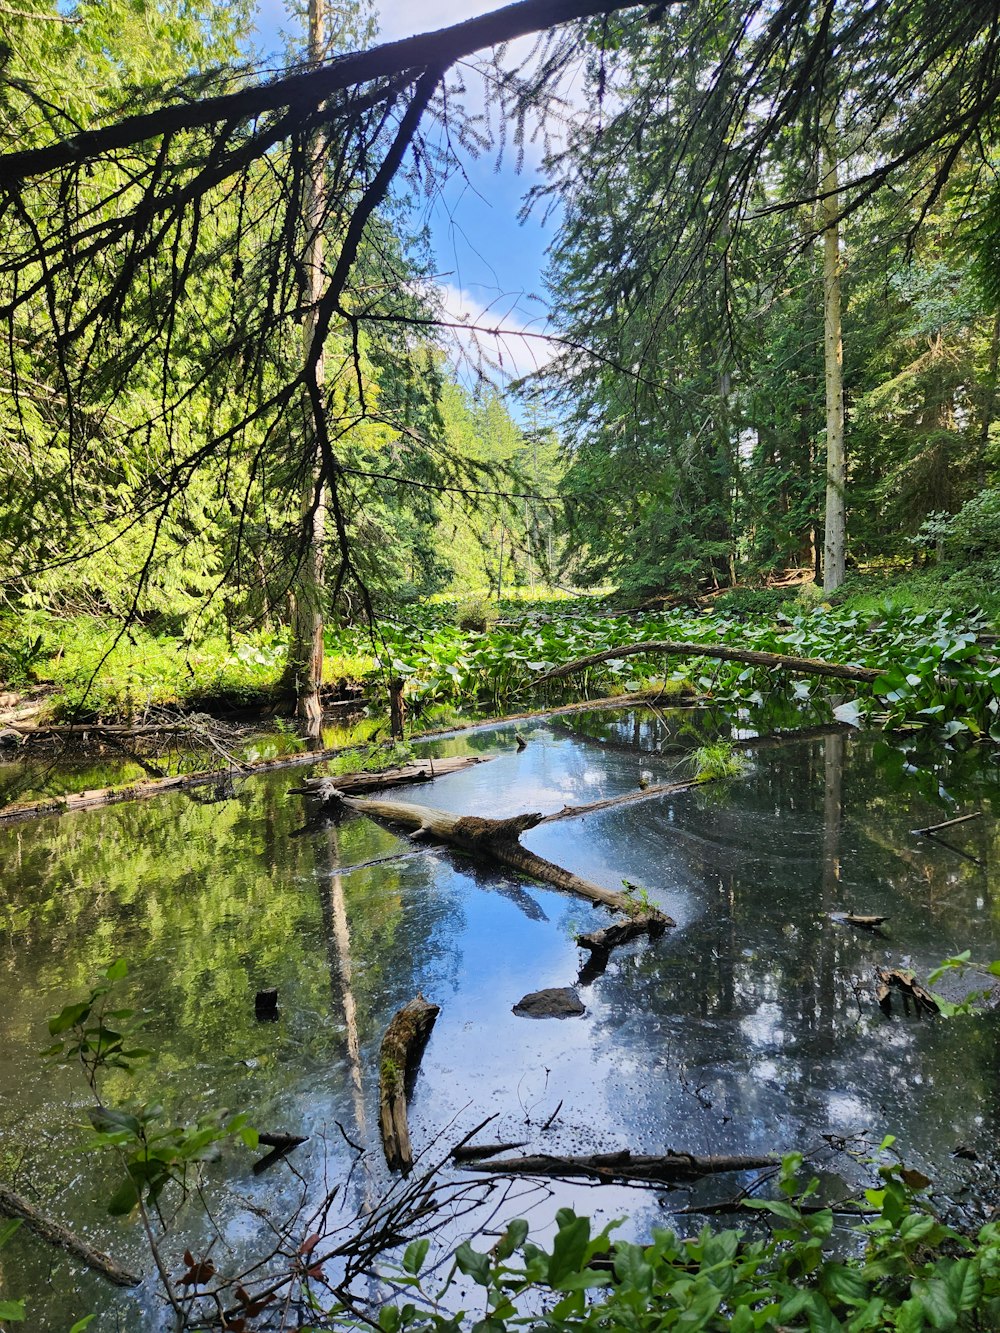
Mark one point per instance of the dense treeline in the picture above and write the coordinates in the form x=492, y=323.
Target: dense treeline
x=691, y=257
x=178, y=454
x=159, y=453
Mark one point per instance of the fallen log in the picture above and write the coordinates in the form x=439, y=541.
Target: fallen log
x=357, y=784
x=13, y=1205
x=807, y=666
x=138, y=791
x=399, y=1058
x=623, y=1165
x=103, y=729
x=857, y=919
x=492, y=839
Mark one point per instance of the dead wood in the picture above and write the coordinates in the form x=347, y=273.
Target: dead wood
x=402, y=1048
x=470, y=1152
x=603, y=941
x=640, y=698
x=281, y=1145
x=808, y=666
x=889, y=979
x=857, y=919
x=12, y=1205
x=932, y=829
x=138, y=791
x=490, y=839
x=356, y=784
x=623, y=1165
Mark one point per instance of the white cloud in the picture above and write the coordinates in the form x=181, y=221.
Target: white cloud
x=503, y=335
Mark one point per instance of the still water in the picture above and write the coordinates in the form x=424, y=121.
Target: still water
x=749, y=1027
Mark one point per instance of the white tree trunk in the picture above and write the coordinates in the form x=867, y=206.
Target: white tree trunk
x=835, y=542
x=306, y=655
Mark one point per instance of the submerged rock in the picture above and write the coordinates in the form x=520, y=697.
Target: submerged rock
x=555, y=1002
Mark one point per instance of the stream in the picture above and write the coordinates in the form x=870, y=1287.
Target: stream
x=750, y=1027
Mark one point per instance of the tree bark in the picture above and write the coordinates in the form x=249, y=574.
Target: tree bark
x=835, y=539
x=492, y=839
x=401, y=1051
x=305, y=657
x=807, y=666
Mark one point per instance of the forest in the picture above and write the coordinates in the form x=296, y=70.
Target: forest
x=678, y=593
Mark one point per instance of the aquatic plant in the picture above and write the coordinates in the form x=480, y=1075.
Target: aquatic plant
x=719, y=759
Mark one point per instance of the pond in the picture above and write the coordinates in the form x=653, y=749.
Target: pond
x=748, y=1027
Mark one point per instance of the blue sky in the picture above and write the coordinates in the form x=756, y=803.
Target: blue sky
x=489, y=266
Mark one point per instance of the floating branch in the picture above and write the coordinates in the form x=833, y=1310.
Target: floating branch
x=399, y=1059
x=12, y=1205
x=624, y=1166
x=932, y=829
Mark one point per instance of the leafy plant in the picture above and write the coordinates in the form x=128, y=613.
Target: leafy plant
x=909, y=1272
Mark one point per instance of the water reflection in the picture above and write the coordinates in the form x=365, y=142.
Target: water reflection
x=747, y=1028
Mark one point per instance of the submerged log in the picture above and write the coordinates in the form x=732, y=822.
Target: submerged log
x=807, y=666
x=12, y=1205
x=399, y=1059
x=492, y=839
x=601, y=942
x=357, y=784
x=623, y=1165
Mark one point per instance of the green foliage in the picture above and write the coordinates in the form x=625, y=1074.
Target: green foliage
x=752, y=602
x=719, y=760
x=153, y=1152
x=934, y=672
x=11, y=1311
x=907, y=1273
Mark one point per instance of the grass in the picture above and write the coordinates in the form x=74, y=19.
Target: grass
x=719, y=760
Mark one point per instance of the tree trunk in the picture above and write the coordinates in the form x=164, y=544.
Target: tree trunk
x=835, y=542
x=305, y=658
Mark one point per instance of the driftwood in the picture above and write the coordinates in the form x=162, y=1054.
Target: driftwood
x=138, y=791
x=623, y=1166
x=357, y=784
x=807, y=666
x=889, y=979
x=857, y=919
x=932, y=829
x=12, y=1205
x=492, y=839
x=402, y=1047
